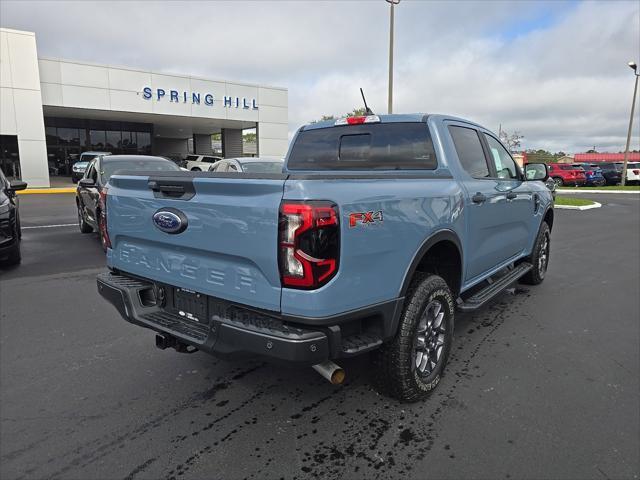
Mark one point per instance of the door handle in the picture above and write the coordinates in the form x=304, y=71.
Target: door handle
x=511, y=195
x=478, y=198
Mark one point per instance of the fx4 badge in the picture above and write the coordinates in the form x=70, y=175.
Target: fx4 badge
x=365, y=218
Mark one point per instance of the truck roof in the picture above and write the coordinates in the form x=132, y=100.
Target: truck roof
x=394, y=118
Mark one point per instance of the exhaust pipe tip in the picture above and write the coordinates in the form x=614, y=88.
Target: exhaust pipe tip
x=332, y=372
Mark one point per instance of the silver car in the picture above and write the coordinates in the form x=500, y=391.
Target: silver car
x=249, y=165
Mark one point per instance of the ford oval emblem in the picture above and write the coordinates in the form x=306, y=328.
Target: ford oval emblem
x=170, y=220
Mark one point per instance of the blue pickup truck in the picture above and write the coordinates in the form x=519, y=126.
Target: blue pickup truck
x=376, y=232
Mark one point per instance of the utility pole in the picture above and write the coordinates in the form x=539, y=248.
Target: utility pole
x=393, y=3
x=634, y=67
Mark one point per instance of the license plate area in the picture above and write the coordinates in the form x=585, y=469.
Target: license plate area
x=191, y=305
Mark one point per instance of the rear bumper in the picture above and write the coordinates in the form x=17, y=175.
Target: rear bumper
x=235, y=329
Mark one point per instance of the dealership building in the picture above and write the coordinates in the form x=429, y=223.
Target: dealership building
x=51, y=110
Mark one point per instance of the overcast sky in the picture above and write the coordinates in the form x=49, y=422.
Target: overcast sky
x=555, y=71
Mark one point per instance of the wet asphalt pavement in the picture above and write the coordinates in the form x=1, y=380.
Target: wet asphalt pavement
x=542, y=384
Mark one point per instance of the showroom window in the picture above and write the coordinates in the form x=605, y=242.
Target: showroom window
x=67, y=138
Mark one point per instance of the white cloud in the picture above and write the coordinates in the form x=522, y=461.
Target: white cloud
x=562, y=81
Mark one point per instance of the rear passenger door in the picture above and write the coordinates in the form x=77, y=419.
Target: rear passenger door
x=518, y=214
x=489, y=236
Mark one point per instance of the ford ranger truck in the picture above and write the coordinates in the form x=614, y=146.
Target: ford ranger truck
x=376, y=232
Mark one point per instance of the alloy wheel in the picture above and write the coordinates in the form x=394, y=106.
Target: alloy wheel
x=430, y=338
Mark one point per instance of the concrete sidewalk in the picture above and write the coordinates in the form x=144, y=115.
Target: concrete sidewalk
x=57, y=185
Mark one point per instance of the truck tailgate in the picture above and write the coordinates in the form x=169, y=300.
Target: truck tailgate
x=228, y=248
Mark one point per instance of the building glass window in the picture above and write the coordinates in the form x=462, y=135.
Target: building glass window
x=9, y=156
x=114, y=140
x=67, y=138
x=98, y=139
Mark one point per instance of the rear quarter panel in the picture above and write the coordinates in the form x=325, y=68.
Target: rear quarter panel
x=374, y=257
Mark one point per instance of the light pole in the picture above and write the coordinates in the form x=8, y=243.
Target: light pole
x=634, y=67
x=393, y=3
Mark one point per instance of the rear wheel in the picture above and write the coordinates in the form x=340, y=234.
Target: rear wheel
x=195, y=169
x=101, y=229
x=410, y=366
x=558, y=181
x=540, y=257
x=82, y=223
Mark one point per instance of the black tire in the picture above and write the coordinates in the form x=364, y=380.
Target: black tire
x=395, y=362
x=15, y=256
x=540, y=257
x=82, y=223
x=558, y=181
x=196, y=169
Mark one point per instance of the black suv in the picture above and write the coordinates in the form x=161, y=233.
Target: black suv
x=92, y=188
x=9, y=221
x=612, y=172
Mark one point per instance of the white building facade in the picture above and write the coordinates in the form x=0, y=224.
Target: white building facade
x=51, y=110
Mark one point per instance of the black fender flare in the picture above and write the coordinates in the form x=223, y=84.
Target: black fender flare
x=440, y=235
x=553, y=214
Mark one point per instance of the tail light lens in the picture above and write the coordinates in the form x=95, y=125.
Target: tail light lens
x=590, y=172
x=636, y=172
x=103, y=213
x=308, y=244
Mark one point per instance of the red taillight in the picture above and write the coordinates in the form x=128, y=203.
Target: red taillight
x=308, y=244
x=358, y=120
x=102, y=223
x=590, y=172
x=636, y=172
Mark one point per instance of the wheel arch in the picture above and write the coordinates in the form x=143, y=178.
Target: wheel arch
x=548, y=217
x=442, y=241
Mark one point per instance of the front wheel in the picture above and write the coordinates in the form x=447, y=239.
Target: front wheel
x=558, y=181
x=195, y=169
x=82, y=223
x=410, y=366
x=540, y=257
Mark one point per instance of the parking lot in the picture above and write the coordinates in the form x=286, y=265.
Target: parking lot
x=542, y=384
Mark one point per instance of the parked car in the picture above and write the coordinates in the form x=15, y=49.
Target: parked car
x=633, y=173
x=249, y=165
x=564, y=174
x=10, y=232
x=92, y=188
x=376, y=228
x=612, y=172
x=593, y=174
x=200, y=163
x=78, y=169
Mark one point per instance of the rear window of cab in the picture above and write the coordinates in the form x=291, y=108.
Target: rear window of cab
x=375, y=146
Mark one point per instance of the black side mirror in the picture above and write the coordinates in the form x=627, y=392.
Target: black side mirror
x=87, y=182
x=536, y=171
x=15, y=185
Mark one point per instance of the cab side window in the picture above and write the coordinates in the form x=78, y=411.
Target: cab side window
x=505, y=165
x=469, y=150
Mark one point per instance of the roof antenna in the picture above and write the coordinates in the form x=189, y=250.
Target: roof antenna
x=367, y=110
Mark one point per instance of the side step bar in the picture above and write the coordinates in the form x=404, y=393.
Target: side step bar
x=490, y=291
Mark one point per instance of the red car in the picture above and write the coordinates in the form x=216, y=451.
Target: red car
x=567, y=175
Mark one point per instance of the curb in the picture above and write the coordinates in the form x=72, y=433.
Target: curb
x=575, y=207
x=564, y=190
x=30, y=191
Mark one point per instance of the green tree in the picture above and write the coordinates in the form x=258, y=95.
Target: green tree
x=356, y=112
